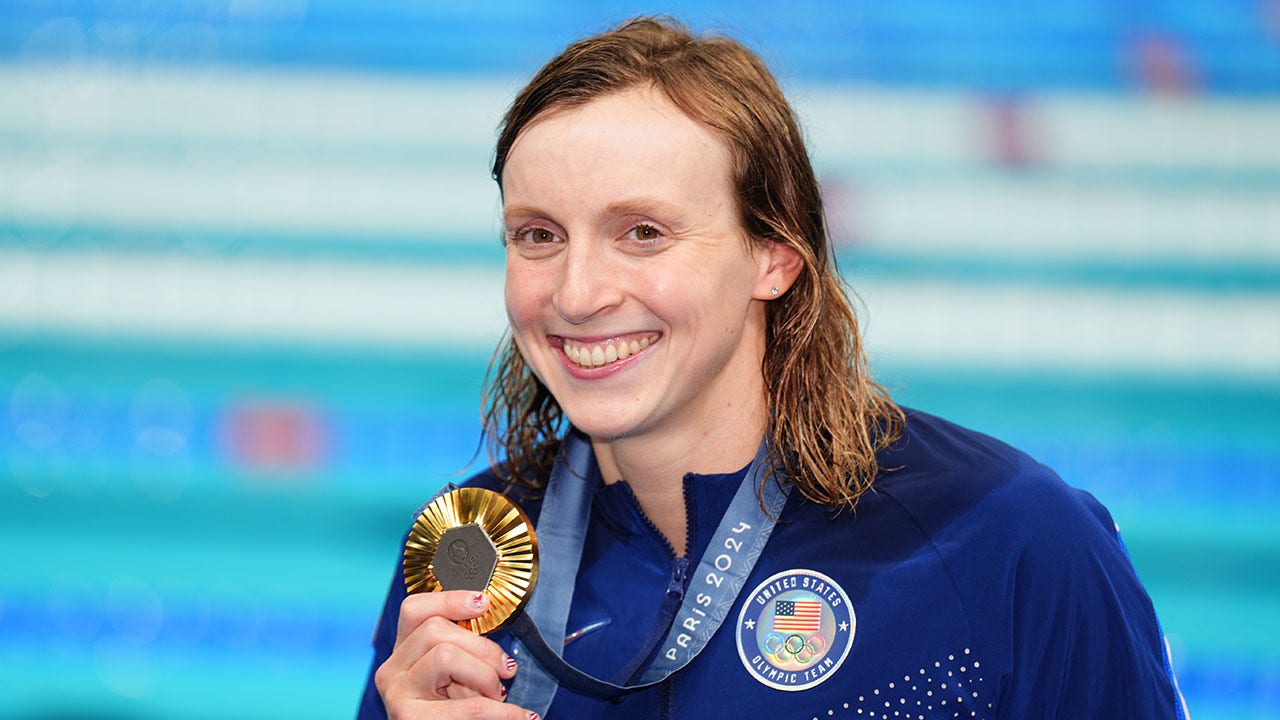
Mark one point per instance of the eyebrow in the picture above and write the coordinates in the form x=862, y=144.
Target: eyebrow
x=642, y=204
x=510, y=211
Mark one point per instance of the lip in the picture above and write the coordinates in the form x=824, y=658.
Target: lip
x=557, y=345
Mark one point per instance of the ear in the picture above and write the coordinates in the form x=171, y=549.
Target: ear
x=779, y=266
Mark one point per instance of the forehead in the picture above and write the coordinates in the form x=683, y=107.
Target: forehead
x=618, y=144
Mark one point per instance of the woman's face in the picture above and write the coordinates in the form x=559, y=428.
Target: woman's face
x=632, y=289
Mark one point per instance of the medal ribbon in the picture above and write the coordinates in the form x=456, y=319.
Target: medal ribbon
x=562, y=528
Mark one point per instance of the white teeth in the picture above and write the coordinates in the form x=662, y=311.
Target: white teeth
x=603, y=354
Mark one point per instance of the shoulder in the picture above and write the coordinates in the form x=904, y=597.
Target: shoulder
x=955, y=481
x=1007, y=529
x=994, y=514
x=1039, y=568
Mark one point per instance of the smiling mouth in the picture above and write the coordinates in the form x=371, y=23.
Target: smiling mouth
x=598, y=354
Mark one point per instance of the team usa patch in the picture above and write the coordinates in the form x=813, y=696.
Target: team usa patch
x=795, y=630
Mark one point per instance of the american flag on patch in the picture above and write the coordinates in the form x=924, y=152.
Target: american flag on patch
x=797, y=615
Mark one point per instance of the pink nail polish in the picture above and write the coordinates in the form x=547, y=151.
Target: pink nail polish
x=478, y=600
x=511, y=664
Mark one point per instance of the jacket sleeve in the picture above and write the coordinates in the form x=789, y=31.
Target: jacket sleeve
x=1086, y=641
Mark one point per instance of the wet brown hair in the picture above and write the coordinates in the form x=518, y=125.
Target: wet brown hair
x=828, y=418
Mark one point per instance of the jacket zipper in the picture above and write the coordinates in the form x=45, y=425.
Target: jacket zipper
x=677, y=581
x=675, y=594
x=676, y=587
x=667, y=699
x=667, y=613
x=676, y=584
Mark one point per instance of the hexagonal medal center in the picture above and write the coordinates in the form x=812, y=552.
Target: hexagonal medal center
x=464, y=558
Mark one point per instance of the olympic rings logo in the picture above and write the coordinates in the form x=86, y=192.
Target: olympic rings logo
x=799, y=648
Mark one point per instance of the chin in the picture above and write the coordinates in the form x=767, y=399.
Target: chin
x=602, y=427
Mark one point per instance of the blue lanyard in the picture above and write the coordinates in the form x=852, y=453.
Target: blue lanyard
x=562, y=530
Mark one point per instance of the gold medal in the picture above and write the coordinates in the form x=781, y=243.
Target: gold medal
x=474, y=539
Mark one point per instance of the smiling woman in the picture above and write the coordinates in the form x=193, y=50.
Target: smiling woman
x=684, y=411
x=825, y=409
x=640, y=244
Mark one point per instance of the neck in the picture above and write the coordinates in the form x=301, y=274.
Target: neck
x=655, y=466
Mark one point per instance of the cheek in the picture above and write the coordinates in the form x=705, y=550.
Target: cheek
x=523, y=295
x=706, y=291
x=667, y=296
x=515, y=304
x=523, y=316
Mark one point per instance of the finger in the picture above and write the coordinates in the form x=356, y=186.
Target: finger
x=448, y=671
x=453, y=605
x=443, y=672
x=437, y=629
x=457, y=692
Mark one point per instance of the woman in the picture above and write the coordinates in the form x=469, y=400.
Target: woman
x=683, y=371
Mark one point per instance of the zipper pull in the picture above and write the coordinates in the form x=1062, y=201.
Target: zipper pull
x=679, y=574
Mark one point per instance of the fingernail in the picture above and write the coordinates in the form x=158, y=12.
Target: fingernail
x=478, y=600
x=511, y=664
x=503, y=690
x=533, y=716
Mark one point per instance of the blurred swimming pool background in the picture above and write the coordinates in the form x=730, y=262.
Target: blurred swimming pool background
x=250, y=280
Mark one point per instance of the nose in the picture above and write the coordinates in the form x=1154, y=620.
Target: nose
x=588, y=287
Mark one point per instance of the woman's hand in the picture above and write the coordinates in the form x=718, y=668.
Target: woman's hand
x=441, y=670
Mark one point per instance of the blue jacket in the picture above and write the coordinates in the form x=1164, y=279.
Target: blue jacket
x=971, y=582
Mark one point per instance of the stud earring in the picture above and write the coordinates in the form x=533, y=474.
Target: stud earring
x=773, y=290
